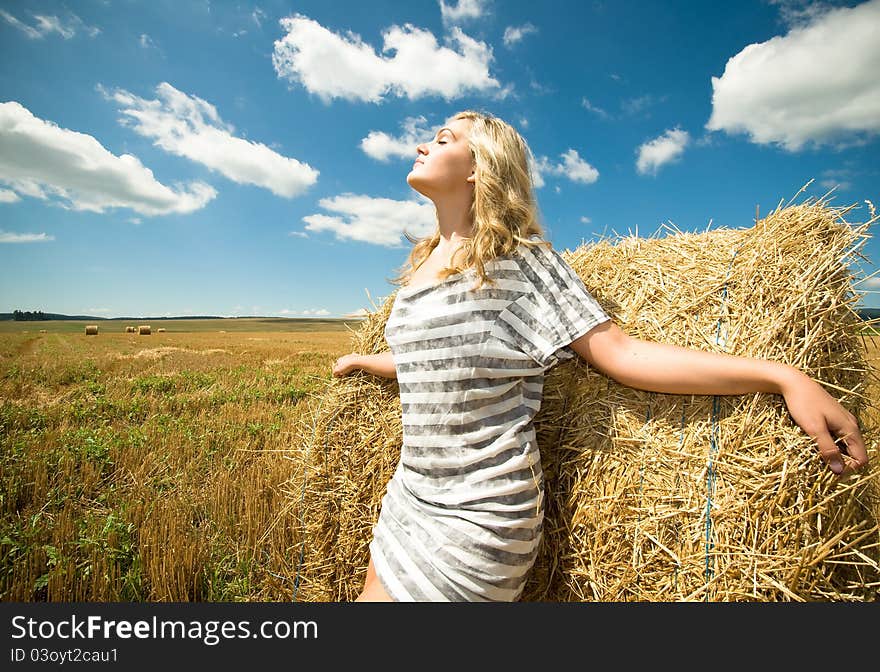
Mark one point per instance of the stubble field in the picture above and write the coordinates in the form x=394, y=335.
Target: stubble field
x=153, y=467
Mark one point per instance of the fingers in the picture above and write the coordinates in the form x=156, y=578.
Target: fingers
x=342, y=366
x=829, y=452
x=852, y=442
x=851, y=457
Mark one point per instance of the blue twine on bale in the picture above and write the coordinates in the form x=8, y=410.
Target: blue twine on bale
x=713, y=441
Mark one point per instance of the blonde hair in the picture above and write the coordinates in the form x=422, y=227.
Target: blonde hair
x=504, y=211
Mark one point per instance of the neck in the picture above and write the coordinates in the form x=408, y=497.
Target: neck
x=454, y=222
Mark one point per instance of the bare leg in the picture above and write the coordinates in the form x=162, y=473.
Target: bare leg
x=373, y=590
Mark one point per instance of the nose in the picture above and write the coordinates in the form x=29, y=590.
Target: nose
x=422, y=149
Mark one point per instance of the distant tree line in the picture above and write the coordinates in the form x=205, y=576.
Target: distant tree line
x=29, y=315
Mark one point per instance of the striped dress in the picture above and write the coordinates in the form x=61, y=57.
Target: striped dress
x=462, y=516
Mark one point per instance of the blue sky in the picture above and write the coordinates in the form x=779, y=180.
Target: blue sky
x=238, y=158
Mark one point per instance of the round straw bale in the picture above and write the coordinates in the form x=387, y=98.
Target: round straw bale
x=43, y=331
x=144, y=329
x=160, y=330
x=91, y=329
x=652, y=497
x=130, y=330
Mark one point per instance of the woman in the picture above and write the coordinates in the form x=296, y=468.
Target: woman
x=486, y=308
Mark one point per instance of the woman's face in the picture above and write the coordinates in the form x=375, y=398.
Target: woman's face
x=444, y=166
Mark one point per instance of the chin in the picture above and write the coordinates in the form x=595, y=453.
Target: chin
x=414, y=183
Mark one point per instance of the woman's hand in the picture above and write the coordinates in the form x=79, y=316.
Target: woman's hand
x=825, y=421
x=346, y=364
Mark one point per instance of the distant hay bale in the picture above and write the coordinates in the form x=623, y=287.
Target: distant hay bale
x=652, y=497
x=130, y=330
x=43, y=331
x=160, y=330
x=91, y=329
x=144, y=329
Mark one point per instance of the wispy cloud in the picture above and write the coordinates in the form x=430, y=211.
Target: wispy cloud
x=598, y=111
x=10, y=237
x=463, y=10
x=41, y=160
x=331, y=66
x=315, y=312
x=7, y=196
x=514, y=34
x=816, y=85
x=640, y=105
x=379, y=221
x=146, y=41
x=186, y=125
x=381, y=146
x=837, y=178
x=661, y=150
x=798, y=13
x=46, y=25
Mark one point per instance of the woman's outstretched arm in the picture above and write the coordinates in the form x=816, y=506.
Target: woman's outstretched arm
x=672, y=369
x=381, y=364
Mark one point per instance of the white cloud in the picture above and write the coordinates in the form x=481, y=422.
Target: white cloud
x=10, y=237
x=598, y=111
x=661, y=150
x=51, y=24
x=871, y=282
x=42, y=160
x=7, y=196
x=360, y=312
x=514, y=34
x=146, y=41
x=572, y=167
x=817, y=84
x=640, y=105
x=381, y=146
x=800, y=12
x=838, y=185
x=299, y=234
x=97, y=310
x=535, y=167
x=576, y=169
x=316, y=312
x=191, y=127
x=335, y=66
x=380, y=221
x=258, y=15
x=464, y=10
x=837, y=178
x=586, y=220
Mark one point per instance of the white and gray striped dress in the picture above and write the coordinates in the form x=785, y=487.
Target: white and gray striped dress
x=463, y=514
